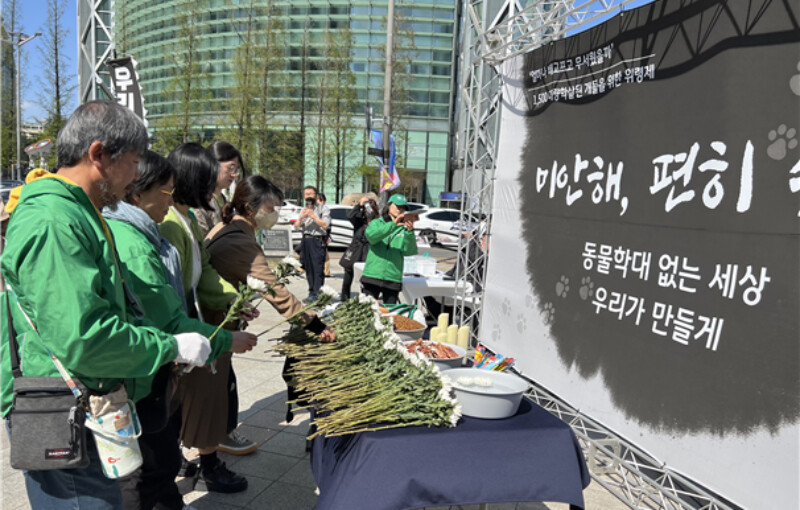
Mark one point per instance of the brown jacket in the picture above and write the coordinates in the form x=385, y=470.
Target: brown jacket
x=235, y=255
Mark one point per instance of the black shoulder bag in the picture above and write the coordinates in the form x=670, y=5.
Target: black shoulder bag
x=46, y=420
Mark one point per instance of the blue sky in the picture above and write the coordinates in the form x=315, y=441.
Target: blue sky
x=34, y=15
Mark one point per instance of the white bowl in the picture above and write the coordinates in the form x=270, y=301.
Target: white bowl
x=500, y=400
x=410, y=334
x=448, y=363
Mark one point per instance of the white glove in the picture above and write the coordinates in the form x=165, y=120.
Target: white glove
x=193, y=348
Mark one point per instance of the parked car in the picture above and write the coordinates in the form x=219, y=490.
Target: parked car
x=7, y=186
x=341, y=228
x=415, y=206
x=443, y=226
x=289, y=212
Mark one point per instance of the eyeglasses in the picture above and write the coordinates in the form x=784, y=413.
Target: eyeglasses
x=170, y=192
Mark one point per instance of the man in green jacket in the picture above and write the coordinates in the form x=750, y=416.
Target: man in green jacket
x=65, y=280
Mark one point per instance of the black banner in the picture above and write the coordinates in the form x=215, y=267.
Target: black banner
x=125, y=82
x=661, y=184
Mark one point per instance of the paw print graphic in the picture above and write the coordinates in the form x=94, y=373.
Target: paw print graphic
x=783, y=139
x=530, y=301
x=562, y=287
x=549, y=313
x=496, y=333
x=794, y=82
x=506, y=306
x=587, y=288
x=522, y=323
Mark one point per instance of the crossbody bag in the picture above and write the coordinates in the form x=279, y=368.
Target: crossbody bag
x=47, y=417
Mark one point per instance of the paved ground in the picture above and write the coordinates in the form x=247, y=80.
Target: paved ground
x=279, y=471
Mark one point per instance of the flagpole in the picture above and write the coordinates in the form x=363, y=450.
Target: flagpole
x=387, y=99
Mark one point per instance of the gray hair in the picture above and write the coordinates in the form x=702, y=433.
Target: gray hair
x=117, y=128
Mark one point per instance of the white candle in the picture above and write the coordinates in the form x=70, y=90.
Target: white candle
x=463, y=337
x=452, y=334
x=444, y=321
x=435, y=333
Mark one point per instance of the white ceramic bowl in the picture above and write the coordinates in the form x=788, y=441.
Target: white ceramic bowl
x=410, y=334
x=500, y=400
x=448, y=363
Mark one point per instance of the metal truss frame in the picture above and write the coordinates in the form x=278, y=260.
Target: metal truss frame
x=488, y=40
x=629, y=473
x=91, y=84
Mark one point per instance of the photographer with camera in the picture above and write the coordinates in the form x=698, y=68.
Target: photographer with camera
x=391, y=237
x=314, y=220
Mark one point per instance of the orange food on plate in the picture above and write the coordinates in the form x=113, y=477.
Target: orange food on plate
x=431, y=349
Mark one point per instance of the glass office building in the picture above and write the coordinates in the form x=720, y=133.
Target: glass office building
x=147, y=30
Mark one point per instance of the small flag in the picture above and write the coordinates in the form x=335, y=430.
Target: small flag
x=389, y=177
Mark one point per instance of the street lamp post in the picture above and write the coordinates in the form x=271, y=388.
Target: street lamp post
x=387, y=97
x=18, y=40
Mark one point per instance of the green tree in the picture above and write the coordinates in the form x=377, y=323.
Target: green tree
x=269, y=55
x=243, y=93
x=11, y=23
x=340, y=104
x=57, y=86
x=188, y=87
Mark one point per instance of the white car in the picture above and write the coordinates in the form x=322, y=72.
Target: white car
x=442, y=226
x=289, y=212
x=341, y=228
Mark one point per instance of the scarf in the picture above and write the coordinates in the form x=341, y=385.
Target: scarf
x=139, y=219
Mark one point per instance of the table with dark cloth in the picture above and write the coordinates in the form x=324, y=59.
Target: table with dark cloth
x=532, y=456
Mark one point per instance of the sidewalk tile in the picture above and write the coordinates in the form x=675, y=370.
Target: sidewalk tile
x=284, y=496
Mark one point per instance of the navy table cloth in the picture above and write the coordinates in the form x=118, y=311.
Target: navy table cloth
x=532, y=456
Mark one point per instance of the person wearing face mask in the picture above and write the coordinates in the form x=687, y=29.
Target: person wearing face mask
x=230, y=167
x=359, y=217
x=391, y=237
x=236, y=254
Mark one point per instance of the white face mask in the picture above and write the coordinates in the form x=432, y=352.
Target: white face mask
x=265, y=220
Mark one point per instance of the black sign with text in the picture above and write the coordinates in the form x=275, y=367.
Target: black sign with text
x=661, y=184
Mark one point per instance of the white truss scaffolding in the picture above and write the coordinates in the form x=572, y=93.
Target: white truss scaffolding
x=493, y=33
x=95, y=46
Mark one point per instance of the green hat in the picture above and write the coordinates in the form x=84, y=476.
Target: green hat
x=398, y=200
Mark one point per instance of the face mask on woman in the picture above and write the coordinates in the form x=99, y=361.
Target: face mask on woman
x=266, y=220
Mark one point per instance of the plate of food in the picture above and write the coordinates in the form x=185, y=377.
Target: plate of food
x=442, y=354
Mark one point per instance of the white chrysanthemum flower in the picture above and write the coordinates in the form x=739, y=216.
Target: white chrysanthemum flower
x=363, y=298
x=446, y=396
x=291, y=261
x=447, y=383
x=256, y=284
x=422, y=359
x=328, y=291
x=378, y=324
x=456, y=415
